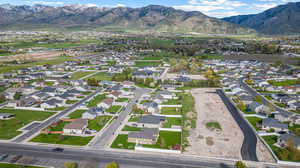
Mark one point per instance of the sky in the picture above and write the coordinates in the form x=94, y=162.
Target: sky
x=213, y=8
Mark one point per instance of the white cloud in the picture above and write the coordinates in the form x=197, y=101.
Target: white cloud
x=262, y=7
x=120, y=5
x=199, y=8
x=46, y=2
x=223, y=14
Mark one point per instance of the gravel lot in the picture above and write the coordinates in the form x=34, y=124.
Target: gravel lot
x=225, y=143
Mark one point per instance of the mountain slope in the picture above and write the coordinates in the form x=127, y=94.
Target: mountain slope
x=283, y=19
x=150, y=18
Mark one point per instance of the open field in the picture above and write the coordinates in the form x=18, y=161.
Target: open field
x=96, y=100
x=62, y=139
x=40, y=61
x=9, y=165
x=167, y=140
x=101, y=76
x=147, y=63
x=8, y=128
x=76, y=114
x=174, y=75
x=225, y=142
x=121, y=142
x=80, y=74
x=31, y=56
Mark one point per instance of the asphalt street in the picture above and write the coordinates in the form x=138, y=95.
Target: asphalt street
x=103, y=139
x=248, y=150
x=52, y=119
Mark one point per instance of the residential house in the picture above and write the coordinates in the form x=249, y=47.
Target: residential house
x=166, y=94
x=270, y=123
x=106, y=103
x=150, y=121
x=92, y=113
x=76, y=127
x=150, y=107
x=145, y=136
x=257, y=107
x=284, y=138
x=26, y=102
x=52, y=103
x=5, y=116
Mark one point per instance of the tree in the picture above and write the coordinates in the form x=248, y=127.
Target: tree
x=92, y=82
x=70, y=165
x=2, y=98
x=112, y=165
x=297, y=131
x=258, y=99
x=17, y=95
x=240, y=164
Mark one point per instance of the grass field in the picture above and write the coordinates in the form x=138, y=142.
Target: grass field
x=114, y=109
x=213, y=125
x=76, y=114
x=129, y=128
x=101, y=76
x=96, y=100
x=166, y=140
x=147, y=63
x=122, y=143
x=9, y=165
x=55, y=61
x=80, y=74
x=59, y=127
x=8, y=128
x=134, y=119
x=57, y=109
x=284, y=83
x=151, y=58
x=62, y=139
x=254, y=121
x=172, y=122
x=98, y=123
x=71, y=101
x=170, y=111
x=122, y=100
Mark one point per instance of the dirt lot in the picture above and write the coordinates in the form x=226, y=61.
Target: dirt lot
x=225, y=143
x=31, y=56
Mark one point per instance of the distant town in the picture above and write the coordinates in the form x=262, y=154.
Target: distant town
x=88, y=99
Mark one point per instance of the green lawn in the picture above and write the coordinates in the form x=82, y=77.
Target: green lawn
x=62, y=139
x=71, y=101
x=96, y=100
x=130, y=128
x=151, y=58
x=172, y=121
x=8, y=128
x=284, y=83
x=59, y=127
x=114, y=109
x=57, y=109
x=80, y=74
x=101, y=76
x=98, y=123
x=254, y=121
x=145, y=101
x=76, y=114
x=166, y=140
x=121, y=142
x=281, y=105
x=134, y=119
x=147, y=63
x=122, y=100
x=172, y=102
x=170, y=111
x=9, y=165
x=213, y=125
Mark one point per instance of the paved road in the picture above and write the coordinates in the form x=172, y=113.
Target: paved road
x=135, y=159
x=248, y=150
x=51, y=120
x=106, y=137
x=255, y=93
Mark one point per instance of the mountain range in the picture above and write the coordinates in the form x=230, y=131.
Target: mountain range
x=80, y=17
x=283, y=19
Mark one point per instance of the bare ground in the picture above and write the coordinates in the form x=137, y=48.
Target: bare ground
x=225, y=143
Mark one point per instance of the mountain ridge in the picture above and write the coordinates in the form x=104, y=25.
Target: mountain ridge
x=149, y=18
x=282, y=19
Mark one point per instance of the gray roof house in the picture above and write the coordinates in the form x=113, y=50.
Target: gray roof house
x=6, y=116
x=150, y=121
x=92, y=113
x=270, y=123
x=284, y=138
x=145, y=136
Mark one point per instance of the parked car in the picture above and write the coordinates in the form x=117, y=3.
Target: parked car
x=3, y=156
x=16, y=158
x=58, y=150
